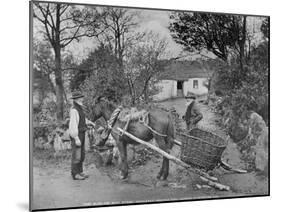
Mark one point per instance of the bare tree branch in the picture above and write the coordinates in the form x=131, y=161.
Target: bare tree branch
x=64, y=9
x=68, y=27
x=66, y=19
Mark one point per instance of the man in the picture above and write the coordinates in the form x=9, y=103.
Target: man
x=192, y=115
x=77, y=128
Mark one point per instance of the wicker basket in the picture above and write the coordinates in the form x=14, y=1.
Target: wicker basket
x=202, y=149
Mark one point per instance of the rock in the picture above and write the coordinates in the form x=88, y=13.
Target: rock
x=259, y=133
x=254, y=147
x=176, y=185
x=60, y=145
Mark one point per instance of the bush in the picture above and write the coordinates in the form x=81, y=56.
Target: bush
x=245, y=89
x=242, y=92
x=44, y=120
x=45, y=124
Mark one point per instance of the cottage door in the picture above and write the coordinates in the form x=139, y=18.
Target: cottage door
x=179, y=88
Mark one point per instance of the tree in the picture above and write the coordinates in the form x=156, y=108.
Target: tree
x=119, y=25
x=119, y=37
x=99, y=74
x=249, y=91
x=62, y=25
x=146, y=61
x=210, y=67
x=43, y=67
x=265, y=28
x=218, y=33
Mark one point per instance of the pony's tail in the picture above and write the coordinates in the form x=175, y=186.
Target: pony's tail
x=170, y=133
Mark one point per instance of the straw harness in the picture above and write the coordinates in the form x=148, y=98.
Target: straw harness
x=141, y=119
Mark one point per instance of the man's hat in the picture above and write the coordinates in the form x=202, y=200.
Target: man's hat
x=76, y=95
x=190, y=96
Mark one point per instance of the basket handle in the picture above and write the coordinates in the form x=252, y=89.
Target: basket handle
x=194, y=137
x=190, y=136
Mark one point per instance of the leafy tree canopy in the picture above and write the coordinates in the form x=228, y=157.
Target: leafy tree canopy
x=217, y=33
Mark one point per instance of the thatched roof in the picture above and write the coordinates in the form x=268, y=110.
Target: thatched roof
x=183, y=70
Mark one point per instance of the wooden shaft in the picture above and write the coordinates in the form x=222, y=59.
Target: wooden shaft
x=168, y=156
x=215, y=184
x=227, y=167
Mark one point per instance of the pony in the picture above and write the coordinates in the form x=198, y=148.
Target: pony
x=162, y=131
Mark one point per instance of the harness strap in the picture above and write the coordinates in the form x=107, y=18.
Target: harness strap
x=114, y=116
x=154, y=131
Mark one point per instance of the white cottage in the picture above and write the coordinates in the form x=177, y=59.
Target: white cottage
x=180, y=78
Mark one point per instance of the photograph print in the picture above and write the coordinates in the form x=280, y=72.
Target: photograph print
x=140, y=105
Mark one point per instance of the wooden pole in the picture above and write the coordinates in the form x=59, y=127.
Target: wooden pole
x=170, y=157
x=227, y=167
x=215, y=184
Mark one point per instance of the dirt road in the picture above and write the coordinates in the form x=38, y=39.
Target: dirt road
x=54, y=188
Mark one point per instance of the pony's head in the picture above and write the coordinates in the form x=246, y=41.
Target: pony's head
x=101, y=108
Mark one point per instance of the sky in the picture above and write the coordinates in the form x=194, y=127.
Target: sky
x=158, y=21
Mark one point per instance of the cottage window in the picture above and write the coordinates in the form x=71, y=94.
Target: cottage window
x=195, y=84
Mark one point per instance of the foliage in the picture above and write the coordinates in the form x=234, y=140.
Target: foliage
x=61, y=24
x=218, y=33
x=101, y=76
x=247, y=90
x=44, y=121
x=265, y=28
x=43, y=67
x=242, y=78
x=44, y=84
x=145, y=62
x=242, y=75
x=102, y=73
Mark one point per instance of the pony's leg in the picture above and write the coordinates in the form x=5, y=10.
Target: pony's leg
x=134, y=152
x=165, y=168
x=169, y=141
x=122, y=147
x=160, y=173
x=164, y=171
x=168, y=146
